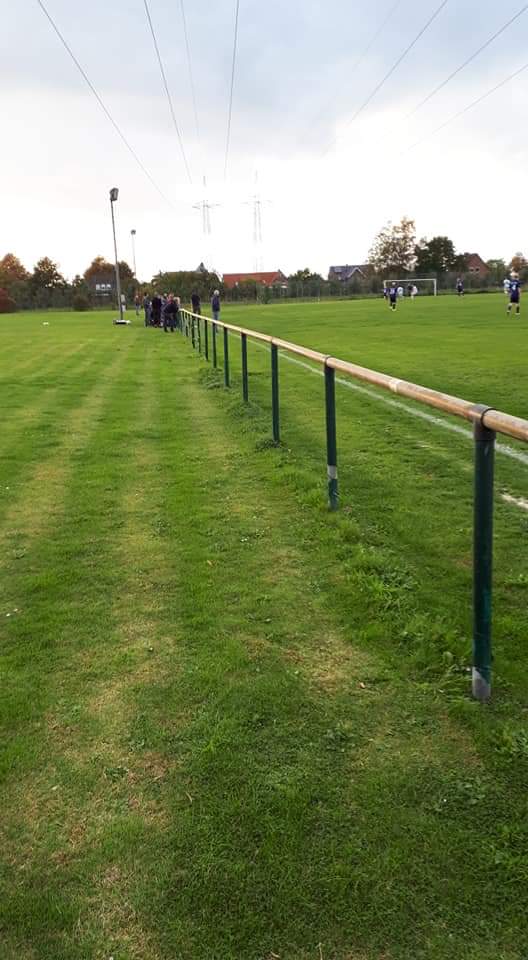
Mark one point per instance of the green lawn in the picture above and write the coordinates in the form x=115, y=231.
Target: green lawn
x=235, y=726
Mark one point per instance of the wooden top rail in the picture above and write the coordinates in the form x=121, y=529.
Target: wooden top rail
x=493, y=419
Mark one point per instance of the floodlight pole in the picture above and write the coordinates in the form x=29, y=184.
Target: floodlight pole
x=114, y=193
x=133, y=235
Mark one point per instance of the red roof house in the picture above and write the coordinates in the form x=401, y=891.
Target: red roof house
x=269, y=279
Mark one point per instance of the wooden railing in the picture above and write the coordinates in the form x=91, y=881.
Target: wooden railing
x=486, y=420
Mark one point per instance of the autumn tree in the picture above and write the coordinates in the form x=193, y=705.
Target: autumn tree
x=518, y=263
x=393, y=249
x=12, y=271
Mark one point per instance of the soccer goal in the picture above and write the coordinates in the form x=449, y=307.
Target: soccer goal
x=415, y=280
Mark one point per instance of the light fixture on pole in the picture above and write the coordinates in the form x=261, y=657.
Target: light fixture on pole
x=133, y=235
x=114, y=193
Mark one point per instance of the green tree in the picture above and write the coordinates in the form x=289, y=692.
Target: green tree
x=437, y=255
x=393, y=249
x=48, y=286
x=183, y=283
x=497, y=271
x=306, y=275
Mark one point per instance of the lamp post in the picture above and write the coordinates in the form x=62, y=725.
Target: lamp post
x=114, y=193
x=133, y=235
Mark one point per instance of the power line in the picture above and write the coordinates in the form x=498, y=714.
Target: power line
x=359, y=60
x=102, y=104
x=466, y=109
x=165, y=84
x=191, y=76
x=466, y=63
x=233, y=67
x=394, y=67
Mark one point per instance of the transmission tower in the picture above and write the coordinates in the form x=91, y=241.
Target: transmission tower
x=205, y=207
x=256, y=203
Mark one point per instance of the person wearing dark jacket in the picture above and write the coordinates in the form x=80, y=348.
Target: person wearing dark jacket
x=196, y=303
x=146, y=308
x=155, y=307
x=215, y=305
x=170, y=314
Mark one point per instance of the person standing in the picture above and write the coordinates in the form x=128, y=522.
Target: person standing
x=146, y=308
x=156, y=310
x=137, y=302
x=460, y=287
x=196, y=303
x=393, y=295
x=170, y=314
x=215, y=305
x=515, y=293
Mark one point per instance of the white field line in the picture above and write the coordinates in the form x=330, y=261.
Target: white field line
x=503, y=448
x=516, y=501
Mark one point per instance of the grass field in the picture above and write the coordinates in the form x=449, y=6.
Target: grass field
x=235, y=726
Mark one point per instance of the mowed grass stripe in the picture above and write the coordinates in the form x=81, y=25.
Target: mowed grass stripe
x=33, y=505
x=109, y=788
x=238, y=789
x=238, y=678
x=85, y=653
x=37, y=416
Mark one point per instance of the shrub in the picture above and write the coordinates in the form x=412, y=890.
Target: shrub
x=7, y=304
x=81, y=302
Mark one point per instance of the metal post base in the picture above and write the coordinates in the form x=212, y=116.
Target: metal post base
x=481, y=687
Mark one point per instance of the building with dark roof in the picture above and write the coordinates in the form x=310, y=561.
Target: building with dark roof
x=348, y=272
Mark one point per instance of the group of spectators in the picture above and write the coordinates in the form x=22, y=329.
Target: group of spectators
x=164, y=311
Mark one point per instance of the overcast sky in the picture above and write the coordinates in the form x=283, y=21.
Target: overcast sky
x=327, y=185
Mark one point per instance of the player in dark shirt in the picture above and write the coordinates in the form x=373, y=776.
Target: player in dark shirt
x=393, y=296
x=515, y=293
x=460, y=287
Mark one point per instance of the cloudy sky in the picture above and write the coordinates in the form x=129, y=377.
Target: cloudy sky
x=328, y=182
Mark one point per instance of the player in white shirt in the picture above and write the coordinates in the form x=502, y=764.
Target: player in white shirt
x=506, y=286
x=400, y=292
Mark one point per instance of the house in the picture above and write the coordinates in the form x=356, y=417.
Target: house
x=232, y=280
x=475, y=264
x=348, y=272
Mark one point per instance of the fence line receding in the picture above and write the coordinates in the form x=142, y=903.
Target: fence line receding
x=487, y=422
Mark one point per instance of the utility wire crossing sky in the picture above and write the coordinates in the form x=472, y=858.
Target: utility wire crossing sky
x=154, y=96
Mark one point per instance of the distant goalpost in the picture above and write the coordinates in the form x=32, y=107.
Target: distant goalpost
x=416, y=280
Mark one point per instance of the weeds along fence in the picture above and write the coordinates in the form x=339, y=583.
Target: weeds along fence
x=487, y=422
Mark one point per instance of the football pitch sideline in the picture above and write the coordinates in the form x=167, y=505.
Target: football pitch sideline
x=235, y=726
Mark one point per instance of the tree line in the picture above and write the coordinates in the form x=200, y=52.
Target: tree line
x=395, y=252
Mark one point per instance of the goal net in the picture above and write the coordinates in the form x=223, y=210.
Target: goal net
x=415, y=282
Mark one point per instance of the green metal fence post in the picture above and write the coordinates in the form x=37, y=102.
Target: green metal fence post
x=226, y=357
x=215, y=355
x=199, y=326
x=483, y=557
x=193, y=335
x=206, y=338
x=331, y=437
x=275, y=393
x=245, y=384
